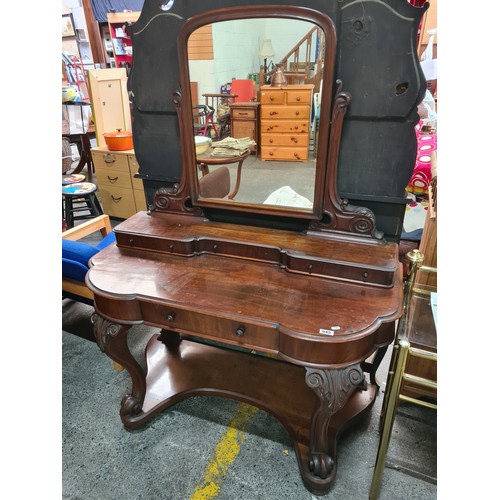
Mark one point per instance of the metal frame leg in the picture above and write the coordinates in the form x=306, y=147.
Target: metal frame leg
x=392, y=404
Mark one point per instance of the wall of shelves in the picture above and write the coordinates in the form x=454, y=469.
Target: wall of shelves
x=121, y=43
x=73, y=53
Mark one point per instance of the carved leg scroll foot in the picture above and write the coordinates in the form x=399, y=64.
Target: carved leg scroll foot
x=112, y=340
x=333, y=388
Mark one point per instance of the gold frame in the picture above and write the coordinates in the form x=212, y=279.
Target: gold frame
x=68, y=26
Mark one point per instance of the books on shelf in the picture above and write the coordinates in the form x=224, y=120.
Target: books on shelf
x=118, y=46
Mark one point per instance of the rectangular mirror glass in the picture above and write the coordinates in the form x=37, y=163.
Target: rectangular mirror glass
x=256, y=138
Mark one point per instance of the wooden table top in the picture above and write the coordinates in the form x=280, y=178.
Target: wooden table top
x=237, y=288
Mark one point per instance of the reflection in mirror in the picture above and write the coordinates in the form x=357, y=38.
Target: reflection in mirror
x=264, y=135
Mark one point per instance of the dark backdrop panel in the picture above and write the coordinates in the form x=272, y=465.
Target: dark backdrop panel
x=372, y=160
x=376, y=61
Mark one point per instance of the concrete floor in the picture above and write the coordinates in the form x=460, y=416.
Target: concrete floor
x=261, y=178
x=168, y=458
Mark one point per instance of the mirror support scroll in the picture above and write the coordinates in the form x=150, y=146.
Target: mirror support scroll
x=338, y=215
x=177, y=199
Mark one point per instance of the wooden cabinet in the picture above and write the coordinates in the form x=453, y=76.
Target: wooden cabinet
x=245, y=121
x=110, y=104
x=285, y=116
x=121, y=194
x=119, y=23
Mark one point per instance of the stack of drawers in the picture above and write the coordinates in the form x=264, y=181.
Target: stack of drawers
x=285, y=122
x=121, y=194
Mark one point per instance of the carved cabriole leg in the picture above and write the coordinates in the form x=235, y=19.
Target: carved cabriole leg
x=112, y=340
x=333, y=388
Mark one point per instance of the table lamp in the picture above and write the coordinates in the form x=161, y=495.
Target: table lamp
x=266, y=51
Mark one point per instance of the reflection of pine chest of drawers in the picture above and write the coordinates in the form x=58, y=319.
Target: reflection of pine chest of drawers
x=121, y=194
x=285, y=115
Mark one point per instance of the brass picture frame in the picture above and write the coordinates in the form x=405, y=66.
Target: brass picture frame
x=68, y=26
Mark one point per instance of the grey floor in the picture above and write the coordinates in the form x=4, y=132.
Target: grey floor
x=259, y=179
x=168, y=458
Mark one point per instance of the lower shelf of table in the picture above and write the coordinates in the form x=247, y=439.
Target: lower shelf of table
x=190, y=369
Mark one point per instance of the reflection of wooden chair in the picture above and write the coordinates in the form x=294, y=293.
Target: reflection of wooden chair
x=215, y=184
x=416, y=340
x=205, y=161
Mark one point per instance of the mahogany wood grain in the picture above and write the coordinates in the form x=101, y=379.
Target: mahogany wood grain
x=356, y=259
x=264, y=297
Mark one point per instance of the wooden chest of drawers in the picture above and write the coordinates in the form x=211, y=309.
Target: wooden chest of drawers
x=285, y=122
x=121, y=194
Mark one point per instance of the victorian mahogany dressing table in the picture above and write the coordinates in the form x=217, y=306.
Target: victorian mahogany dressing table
x=279, y=307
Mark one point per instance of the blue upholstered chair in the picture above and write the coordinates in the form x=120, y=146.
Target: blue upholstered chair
x=76, y=255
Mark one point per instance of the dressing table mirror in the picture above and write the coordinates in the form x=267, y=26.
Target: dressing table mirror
x=287, y=308
x=328, y=213
x=234, y=44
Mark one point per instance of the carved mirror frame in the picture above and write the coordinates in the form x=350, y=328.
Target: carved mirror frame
x=330, y=214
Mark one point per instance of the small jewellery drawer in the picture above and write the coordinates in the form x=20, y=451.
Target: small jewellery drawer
x=244, y=113
x=204, y=325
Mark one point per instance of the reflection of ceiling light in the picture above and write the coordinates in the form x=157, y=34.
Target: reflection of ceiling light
x=166, y=5
x=267, y=49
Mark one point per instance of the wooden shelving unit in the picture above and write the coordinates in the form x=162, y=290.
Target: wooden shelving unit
x=121, y=42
